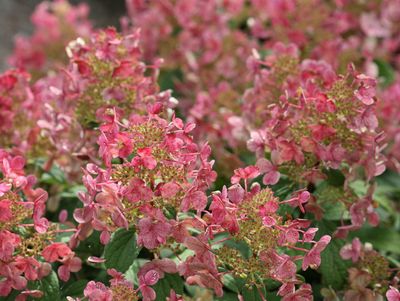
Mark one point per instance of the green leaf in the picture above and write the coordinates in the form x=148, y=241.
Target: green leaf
x=359, y=187
x=167, y=79
x=335, y=211
x=122, y=250
x=272, y=296
x=284, y=188
x=182, y=256
x=237, y=285
x=90, y=246
x=386, y=72
x=49, y=286
x=227, y=297
x=164, y=286
x=75, y=289
x=54, y=176
x=333, y=268
x=335, y=177
x=271, y=284
x=73, y=191
x=328, y=198
x=232, y=283
x=390, y=179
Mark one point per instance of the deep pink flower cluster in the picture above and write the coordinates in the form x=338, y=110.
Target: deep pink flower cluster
x=307, y=119
x=304, y=113
x=210, y=56
x=56, y=24
x=27, y=239
x=250, y=216
x=151, y=166
x=336, y=32
x=214, y=37
x=154, y=170
x=121, y=289
x=107, y=72
x=104, y=73
x=18, y=112
x=210, y=50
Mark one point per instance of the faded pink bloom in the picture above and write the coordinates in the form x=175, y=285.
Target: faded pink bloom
x=97, y=291
x=281, y=265
x=31, y=293
x=4, y=187
x=299, y=200
x=236, y=193
x=5, y=210
x=320, y=132
x=137, y=191
x=367, y=90
x=308, y=236
x=153, y=232
x=169, y=190
x=257, y=142
x=393, y=294
x=271, y=173
x=70, y=264
x=352, y=251
x=313, y=257
x=55, y=25
x=304, y=293
x=29, y=266
x=363, y=210
x=8, y=242
x=194, y=199
x=144, y=158
x=151, y=272
x=39, y=208
x=56, y=252
x=249, y=172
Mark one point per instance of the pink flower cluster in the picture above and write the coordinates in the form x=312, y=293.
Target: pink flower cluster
x=154, y=173
x=212, y=46
x=336, y=32
x=103, y=73
x=27, y=239
x=307, y=119
x=122, y=289
x=210, y=54
x=152, y=166
x=306, y=110
x=56, y=23
x=250, y=215
x=18, y=112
